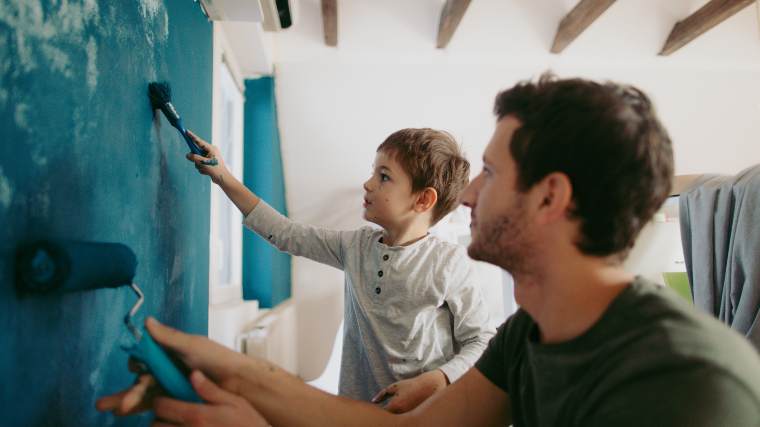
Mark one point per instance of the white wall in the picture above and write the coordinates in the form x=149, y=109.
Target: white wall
x=336, y=105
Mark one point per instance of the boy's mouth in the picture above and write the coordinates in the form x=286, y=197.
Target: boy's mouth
x=366, y=202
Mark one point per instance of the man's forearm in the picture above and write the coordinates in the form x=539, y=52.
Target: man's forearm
x=241, y=196
x=284, y=399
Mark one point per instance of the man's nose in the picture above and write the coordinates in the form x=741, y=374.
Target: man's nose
x=469, y=195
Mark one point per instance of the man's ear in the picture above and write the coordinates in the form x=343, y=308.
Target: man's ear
x=555, y=192
x=426, y=199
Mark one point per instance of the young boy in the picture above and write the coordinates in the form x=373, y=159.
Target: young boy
x=413, y=316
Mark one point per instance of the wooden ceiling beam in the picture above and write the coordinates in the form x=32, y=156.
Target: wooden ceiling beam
x=701, y=21
x=330, y=21
x=576, y=22
x=451, y=16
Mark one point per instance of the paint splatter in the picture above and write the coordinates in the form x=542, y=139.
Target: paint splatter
x=40, y=200
x=44, y=37
x=5, y=68
x=55, y=37
x=155, y=16
x=6, y=192
x=92, y=65
x=20, y=116
x=58, y=59
x=38, y=156
x=149, y=9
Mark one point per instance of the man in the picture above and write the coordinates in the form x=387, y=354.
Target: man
x=573, y=172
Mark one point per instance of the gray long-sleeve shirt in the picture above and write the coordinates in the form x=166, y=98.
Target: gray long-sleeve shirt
x=408, y=309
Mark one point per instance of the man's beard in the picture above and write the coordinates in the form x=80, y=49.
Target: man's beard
x=502, y=241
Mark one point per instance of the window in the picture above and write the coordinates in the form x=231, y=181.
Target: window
x=225, y=242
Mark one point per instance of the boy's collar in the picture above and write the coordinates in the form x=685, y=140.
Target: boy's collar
x=407, y=245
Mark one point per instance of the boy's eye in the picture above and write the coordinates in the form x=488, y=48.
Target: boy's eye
x=384, y=177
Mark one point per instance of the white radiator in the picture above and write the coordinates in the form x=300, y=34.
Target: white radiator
x=272, y=336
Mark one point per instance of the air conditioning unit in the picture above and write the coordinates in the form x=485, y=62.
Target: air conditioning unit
x=274, y=15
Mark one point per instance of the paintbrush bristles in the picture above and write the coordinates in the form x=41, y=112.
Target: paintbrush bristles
x=159, y=94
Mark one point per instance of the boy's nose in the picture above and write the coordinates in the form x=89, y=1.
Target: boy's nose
x=366, y=185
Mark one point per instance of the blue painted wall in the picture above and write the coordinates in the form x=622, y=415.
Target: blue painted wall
x=266, y=271
x=80, y=159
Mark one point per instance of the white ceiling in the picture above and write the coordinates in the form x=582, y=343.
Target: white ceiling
x=501, y=32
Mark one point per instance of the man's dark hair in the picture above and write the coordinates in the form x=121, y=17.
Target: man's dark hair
x=608, y=141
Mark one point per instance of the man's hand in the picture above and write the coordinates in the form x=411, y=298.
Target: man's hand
x=221, y=364
x=212, y=164
x=222, y=408
x=406, y=395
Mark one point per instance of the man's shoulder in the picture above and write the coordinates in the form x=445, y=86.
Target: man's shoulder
x=682, y=329
x=514, y=333
x=659, y=333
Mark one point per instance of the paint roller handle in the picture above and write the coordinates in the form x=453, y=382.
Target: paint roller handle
x=176, y=384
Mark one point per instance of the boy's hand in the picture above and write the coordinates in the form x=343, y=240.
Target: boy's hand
x=212, y=164
x=406, y=395
x=196, y=352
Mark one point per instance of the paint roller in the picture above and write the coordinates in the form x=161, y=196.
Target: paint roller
x=57, y=266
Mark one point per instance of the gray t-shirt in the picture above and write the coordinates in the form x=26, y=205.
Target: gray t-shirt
x=650, y=360
x=408, y=309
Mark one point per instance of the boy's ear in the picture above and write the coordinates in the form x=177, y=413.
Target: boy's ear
x=426, y=199
x=555, y=193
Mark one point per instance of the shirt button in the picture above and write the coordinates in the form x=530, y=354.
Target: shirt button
x=377, y=290
x=385, y=257
x=380, y=273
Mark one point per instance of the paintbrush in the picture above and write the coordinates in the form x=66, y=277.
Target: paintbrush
x=160, y=95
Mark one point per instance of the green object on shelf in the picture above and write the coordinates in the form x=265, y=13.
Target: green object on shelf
x=679, y=282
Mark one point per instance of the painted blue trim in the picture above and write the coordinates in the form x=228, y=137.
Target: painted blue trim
x=266, y=271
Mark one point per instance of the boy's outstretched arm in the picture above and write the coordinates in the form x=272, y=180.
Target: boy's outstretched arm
x=324, y=246
x=213, y=166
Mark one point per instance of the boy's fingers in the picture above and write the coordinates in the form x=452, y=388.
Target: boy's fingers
x=197, y=140
x=379, y=396
x=196, y=158
x=395, y=406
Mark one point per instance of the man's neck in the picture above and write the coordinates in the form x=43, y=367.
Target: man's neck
x=569, y=297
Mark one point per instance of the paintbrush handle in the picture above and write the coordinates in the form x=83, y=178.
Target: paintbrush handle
x=190, y=143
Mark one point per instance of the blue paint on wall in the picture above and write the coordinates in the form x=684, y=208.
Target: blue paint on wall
x=81, y=159
x=266, y=271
